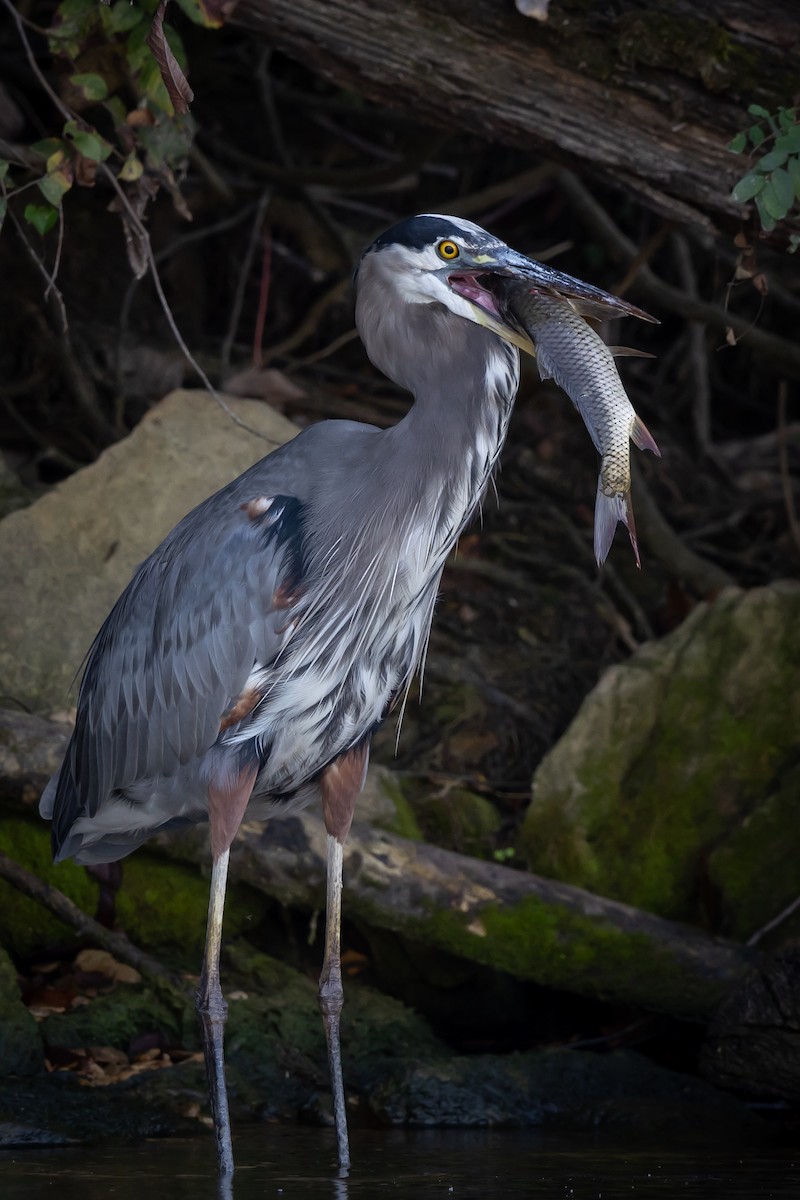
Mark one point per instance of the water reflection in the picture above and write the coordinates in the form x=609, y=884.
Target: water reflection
x=299, y=1164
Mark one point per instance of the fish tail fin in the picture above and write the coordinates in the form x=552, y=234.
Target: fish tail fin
x=642, y=437
x=609, y=511
x=631, y=524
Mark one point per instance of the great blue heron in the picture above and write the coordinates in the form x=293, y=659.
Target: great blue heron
x=254, y=653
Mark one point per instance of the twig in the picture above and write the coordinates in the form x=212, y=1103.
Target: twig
x=783, y=458
x=309, y=323
x=656, y=533
x=698, y=354
x=241, y=283
x=68, y=912
x=774, y=923
x=59, y=248
x=263, y=299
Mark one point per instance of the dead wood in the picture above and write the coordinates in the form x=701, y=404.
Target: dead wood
x=642, y=93
x=534, y=928
x=537, y=929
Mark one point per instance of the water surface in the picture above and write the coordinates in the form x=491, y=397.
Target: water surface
x=295, y=1164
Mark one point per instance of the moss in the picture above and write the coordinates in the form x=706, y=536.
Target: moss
x=25, y=926
x=669, y=752
x=161, y=905
x=692, y=46
x=21, y=1051
x=574, y=953
x=404, y=822
x=460, y=820
x=757, y=869
x=117, y=1018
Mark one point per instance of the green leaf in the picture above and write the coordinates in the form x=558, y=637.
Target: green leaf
x=4, y=165
x=203, y=12
x=787, y=117
x=41, y=216
x=789, y=141
x=3, y=210
x=783, y=187
x=767, y=222
x=748, y=187
x=123, y=16
x=793, y=167
x=758, y=110
x=756, y=135
x=794, y=242
x=116, y=109
x=772, y=202
x=53, y=187
x=47, y=147
x=90, y=144
x=91, y=86
x=738, y=144
x=775, y=158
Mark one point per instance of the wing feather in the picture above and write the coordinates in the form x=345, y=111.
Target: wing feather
x=177, y=649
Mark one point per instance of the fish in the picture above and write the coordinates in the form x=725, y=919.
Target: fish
x=569, y=351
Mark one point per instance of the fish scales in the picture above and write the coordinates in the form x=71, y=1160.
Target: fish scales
x=570, y=352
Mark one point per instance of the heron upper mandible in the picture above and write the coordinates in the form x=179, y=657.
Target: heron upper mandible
x=254, y=653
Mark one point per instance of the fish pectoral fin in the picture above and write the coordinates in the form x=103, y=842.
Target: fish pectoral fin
x=643, y=438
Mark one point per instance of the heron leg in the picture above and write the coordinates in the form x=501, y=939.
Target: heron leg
x=331, y=994
x=226, y=806
x=340, y=784
x=212, y=1011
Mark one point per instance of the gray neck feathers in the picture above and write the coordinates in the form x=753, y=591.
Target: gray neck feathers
x=464, y=379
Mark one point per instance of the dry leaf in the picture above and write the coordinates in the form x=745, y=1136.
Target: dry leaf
x=263, y=383
x=100, y=962
x=175, y=81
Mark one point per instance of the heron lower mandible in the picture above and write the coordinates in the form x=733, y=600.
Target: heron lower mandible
x=254, y=653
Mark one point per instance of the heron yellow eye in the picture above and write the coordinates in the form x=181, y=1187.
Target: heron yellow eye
x=448, y=250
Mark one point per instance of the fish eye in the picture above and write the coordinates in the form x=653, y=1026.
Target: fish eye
x=448, y=250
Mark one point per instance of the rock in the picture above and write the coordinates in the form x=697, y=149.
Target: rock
x=21, y=1052
x=13, y=493
x=69, y=555
x=756, y=869
x=458, y=819
x=753, y=1042
x=31, y=749
x=670, y=754
x=161, y=905
x=117, y=1019
x=563, y=1089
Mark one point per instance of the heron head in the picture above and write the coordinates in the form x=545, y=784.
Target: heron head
x=433, y=259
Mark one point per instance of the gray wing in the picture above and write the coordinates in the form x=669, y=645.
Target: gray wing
x=179, y=645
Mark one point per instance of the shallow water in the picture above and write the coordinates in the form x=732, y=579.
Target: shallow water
x=294, y=1164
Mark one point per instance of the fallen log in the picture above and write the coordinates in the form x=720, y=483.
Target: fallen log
x=643, y=94
x=537, y=929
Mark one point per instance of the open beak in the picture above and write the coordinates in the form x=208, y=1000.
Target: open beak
x=473, y=280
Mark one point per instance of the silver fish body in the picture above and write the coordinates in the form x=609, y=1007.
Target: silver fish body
x=570, y=352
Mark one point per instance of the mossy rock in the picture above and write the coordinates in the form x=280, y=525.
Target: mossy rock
x=756, y=869
x=21, y=1051
x=25, y=926
x=458, y=819
x=276, y=1030
x=671, y=752
x=161, y=905
x=119, y=1017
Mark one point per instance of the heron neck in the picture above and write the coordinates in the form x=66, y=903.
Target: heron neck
x=446, y=447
